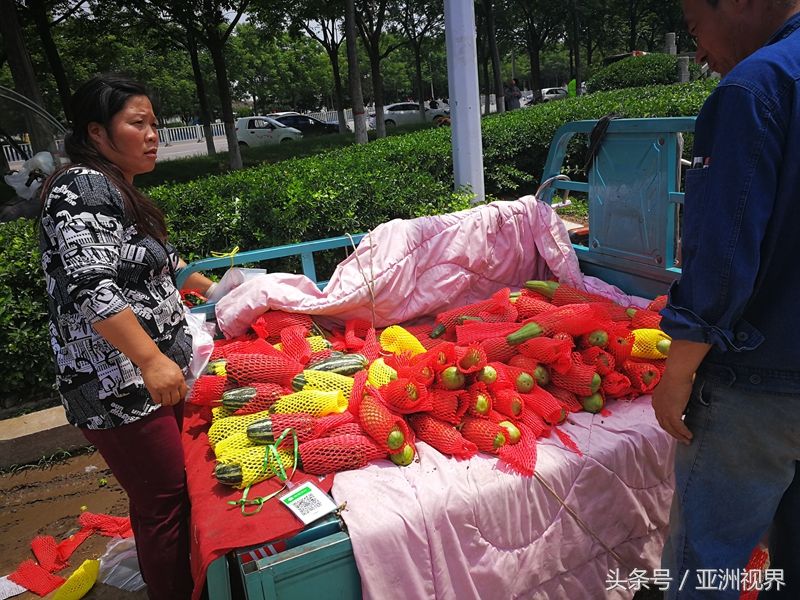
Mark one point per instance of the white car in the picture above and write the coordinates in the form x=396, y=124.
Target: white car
x=556, y=93
x=260, y=131
x=407, y=113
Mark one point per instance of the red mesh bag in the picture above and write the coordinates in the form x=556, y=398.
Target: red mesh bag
x=578, y=379
x=470, y=359
x=406, y=396
x=566, y=294
x=34, y=578
x=67, y=546
x=568, y=442
x=498, y=349
x=477, y=331
x=353, y=428
x=442, y=436
x=521, y=456
x=526, y=363
x=599, y=358
x=574, y=319
x=616, y=385
x=620, y=344
x=501, y=314
x=319, y=356
x=295, y=345
x=380, y=424
x=355, y=333
x=303, y=424
x=262, y=368
x=759, y=561
x=45, y=549
x=545, y=405
x=529, y=306
x=267, y=394
x=534, y=423
x=613, y=311
x=479, y=400
x=372, y=348
x=508, y=402
x=658, y=304
x=510, y=376
x=416, y=368
x=269, y=325
x=646, y=319
x=567, y=399
x=340, y=453
x=224, y=348
x=644, y=376
x=445, y=405
x=106, y=524
x=563, y=336
x=557, y=354
x=256, y=346
x=450, y=318
x=483, y=433
x=207, y=390
x=440, y=357
x=594, y=338
x=359, y=385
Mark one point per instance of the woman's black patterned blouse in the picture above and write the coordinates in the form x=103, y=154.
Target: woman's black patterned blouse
x=96, y=265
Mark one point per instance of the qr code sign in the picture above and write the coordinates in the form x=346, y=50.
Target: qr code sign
x=308, y=502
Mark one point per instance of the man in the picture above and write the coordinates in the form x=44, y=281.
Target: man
x=734, y=316
x=512, y=95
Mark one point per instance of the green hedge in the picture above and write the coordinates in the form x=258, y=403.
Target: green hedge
x=345, y=190
x=638, y=71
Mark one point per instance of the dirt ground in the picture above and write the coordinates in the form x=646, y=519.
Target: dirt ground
x=47, y=501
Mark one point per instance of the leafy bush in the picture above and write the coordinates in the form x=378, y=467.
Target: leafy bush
x=28, y=370
x=637, y=71
x=350, y=189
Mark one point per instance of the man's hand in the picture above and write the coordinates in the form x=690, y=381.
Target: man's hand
x=164, y=380
x=670, y=398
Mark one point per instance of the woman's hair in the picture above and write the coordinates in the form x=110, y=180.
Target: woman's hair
x=98, y=100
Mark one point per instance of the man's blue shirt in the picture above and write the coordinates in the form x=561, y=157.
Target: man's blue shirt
x=740, y=286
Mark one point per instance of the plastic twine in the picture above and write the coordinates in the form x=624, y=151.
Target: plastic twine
x=370, y=282
x=271, y=450
x=230, y=254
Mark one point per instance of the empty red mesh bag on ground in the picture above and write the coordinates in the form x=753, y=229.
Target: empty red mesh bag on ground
x=295, y=345
x=45, y=549
x=267, y=394
x=442, y=436
x=498, y=349
x=646, y=319
x=508, y=402
x=444, y=405
x=269, y=325
x=530, y=306
x=644, y=376
x=521, y=456
x=207, y=390
x=556, y=354
x=578, y=379
x=379, y=422
x=340, y=453
x=261, y=368
x=544, y=404
x=34, y=578
x=603, y=361
x=405, y=396
x=470, y=358
x=567, y=399
x=483, y=433
x=616, y=385
x=106, y=524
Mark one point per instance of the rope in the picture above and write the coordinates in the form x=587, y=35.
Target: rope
x=580, y=521
x=370, y=283
x=280, y=472
x=230, y=254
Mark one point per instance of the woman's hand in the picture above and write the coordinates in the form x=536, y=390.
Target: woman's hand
x=670, y=398
x=164, y=380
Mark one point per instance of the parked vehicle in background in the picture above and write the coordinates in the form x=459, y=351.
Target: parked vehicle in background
x=307, y=125
x=556, y=93
x=407, y=113
x=260, y=131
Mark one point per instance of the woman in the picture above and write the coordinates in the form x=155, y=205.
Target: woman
x=116, y=320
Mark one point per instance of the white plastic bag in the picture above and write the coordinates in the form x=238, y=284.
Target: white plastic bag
x=41, y=162
x=233, y=278
x=119, y=566
x=202, y=344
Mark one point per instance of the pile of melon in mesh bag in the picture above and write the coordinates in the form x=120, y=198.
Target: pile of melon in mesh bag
x=492, y=376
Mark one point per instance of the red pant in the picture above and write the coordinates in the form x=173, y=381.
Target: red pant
x=146, y=457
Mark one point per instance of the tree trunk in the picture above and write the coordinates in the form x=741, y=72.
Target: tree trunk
x=418, y=66
x=495, y=54
x=19, y=61
x=223, y=86
x=633, y=25
x=42, y=22
x=333, y=55
x=535, y=55
x=576, y=24
x=377, y=91
x=202, y=98
x=359, y=118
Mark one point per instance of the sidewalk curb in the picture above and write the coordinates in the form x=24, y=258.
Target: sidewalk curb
x=28, y=438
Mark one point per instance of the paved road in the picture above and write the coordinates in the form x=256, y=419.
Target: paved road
x=190, y=148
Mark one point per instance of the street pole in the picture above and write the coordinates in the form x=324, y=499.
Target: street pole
x=462, y=77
